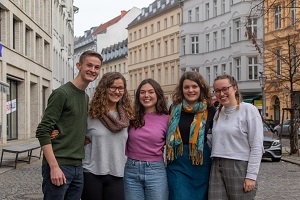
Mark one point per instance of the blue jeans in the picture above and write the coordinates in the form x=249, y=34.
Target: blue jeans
x=70, y=191
x=145, y=180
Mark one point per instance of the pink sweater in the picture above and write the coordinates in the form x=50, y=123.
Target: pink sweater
x=145, y=143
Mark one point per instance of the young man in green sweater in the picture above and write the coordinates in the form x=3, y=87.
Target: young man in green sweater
x=67, y=112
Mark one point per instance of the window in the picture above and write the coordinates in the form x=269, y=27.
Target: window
x=252, y=68
x=152, y=28
x=183, y=45
x=252, y=26
x=207, y=11
x=207, y=42
x=195, y=44
x=140, y=34
x=223, y=38
x=172, y=20
x=166, y=76
x=152, y=74
x=230, y=69
x=229, y=35
x=115, y=68
x=237, y=26
x=146, y=31
x=215, y=43
x=125, y=69
x=158, y=26
x=215, y=10
x=146, y=53
x=130, y=37
x=208, y=75
x=158, y=50
x=178, y=18
x=159, y=76
x=295, y=59
x=238, y=68
x=172, y=75
x=134, y=35
x=28, y=42
x=277, y=17
x=189, y=15
x=197, y=14
x=223, y=7
x=293, y=12
x=166, y=48
x=152, y=51
x=120, y=68
x=215, y=71
x=223, y=68
x=135, y=57
x=172, y=46
x=166, y=23
x=140, y=55
x=278, y=62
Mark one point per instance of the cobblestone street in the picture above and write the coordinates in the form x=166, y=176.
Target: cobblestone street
x=276, y=181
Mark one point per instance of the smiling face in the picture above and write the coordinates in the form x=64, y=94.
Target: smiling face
x=89, y=68
x=225, y=92
x=148, y=98
x=191, y=92
x=115, y=92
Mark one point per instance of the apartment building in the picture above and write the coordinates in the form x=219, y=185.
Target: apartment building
x=108, y=33
x=281, y=56
x=214, y=41
x=115, y=59
x=63, y=41
x=153, y=46
x=25, y=66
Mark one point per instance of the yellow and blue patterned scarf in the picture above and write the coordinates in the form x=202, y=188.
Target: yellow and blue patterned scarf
x=197, y=129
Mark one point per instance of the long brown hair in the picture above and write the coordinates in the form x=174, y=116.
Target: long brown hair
x=99, y=103
x=139, y=110
x=237, y=94
x=205, y=93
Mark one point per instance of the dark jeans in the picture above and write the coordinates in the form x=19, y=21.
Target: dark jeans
x=102, y=187
x=70, y=191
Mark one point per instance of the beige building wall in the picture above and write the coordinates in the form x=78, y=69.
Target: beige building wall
x=153, y=46
x=25, y=65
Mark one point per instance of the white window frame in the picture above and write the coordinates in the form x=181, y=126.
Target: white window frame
x=252, y=25
x=223, y=66
x=195, y=44
x=215, y=71
x=190, y=16
x=293, y=12
x=238, y=68
x=215, y=8
x=215, y=40
x=252, y=68
x=207, y=42
x=237, y=27
x=223, y=7
x=207, y=11
x=277, y=17
x=223, y=38
x=208, y=75
x=278, y=62
x=197, y=14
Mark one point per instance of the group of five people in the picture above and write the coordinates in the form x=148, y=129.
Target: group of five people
x=150, y=151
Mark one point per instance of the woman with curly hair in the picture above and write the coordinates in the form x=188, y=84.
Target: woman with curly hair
x=188, y=153
x=108, y=121
x=145, y=174
x=237, y=144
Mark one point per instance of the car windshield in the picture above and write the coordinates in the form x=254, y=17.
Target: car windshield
x=286, y=122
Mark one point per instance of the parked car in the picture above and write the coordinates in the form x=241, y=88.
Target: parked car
x=286, y=128
x=272, y=145
x=270, y=123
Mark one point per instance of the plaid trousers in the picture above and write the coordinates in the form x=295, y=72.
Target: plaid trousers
x=227, y=178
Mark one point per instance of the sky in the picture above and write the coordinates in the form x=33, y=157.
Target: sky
x=94, y=12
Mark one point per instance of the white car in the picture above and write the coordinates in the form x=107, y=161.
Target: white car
x=286, y=128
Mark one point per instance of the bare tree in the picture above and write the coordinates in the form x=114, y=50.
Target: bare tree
x=280, y=50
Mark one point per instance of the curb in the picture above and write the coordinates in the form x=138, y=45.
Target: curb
x=296, y=162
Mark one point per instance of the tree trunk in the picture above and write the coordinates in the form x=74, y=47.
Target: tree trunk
x=293, y=134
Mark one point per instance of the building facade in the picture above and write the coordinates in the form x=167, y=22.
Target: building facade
x=106, y=34
x=25, y=66
x=214, y=41
x=153, y=46
x=63, y=41
x=281, y=56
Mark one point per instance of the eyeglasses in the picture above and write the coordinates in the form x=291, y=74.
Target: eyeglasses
x=114, y=88
x=224, y=90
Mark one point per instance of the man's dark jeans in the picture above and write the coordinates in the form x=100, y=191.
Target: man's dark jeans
x=70, y=191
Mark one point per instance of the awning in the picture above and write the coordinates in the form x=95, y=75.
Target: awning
x=250, y=99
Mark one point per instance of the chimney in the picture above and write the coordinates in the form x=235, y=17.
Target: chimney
x=123, y=13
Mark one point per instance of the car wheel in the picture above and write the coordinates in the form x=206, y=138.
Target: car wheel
x=276, y=159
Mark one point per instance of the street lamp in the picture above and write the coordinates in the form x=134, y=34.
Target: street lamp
x=262, y=81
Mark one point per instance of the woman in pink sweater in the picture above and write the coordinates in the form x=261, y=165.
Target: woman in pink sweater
x=145, y=174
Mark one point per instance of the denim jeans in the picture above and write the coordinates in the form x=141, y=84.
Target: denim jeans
x=145, y=180
x=70, y=191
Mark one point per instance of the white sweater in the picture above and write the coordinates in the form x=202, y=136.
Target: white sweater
x=238, y=135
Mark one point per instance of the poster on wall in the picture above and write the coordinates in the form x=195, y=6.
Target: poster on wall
x=11, y=106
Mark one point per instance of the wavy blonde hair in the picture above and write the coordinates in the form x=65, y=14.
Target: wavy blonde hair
x=237, y=94
x=205, y=93
x=99, y=103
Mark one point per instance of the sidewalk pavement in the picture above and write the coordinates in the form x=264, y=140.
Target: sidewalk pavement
x=9, y=158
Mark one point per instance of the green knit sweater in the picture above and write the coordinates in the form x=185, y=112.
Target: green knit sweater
x=67, y=112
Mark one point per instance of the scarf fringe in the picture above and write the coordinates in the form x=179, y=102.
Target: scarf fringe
x=173, y=153
x=195, y=155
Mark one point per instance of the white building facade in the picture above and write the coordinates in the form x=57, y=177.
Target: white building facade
x=213, y=41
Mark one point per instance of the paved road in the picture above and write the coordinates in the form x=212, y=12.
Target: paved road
x=276, y=181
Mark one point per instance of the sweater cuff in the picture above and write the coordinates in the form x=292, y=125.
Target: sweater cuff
x=45, y=141
x=251, y=176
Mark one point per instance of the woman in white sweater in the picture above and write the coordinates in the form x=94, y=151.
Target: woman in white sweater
x=237, y=144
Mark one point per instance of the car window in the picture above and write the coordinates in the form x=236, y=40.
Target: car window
x=286, y=122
